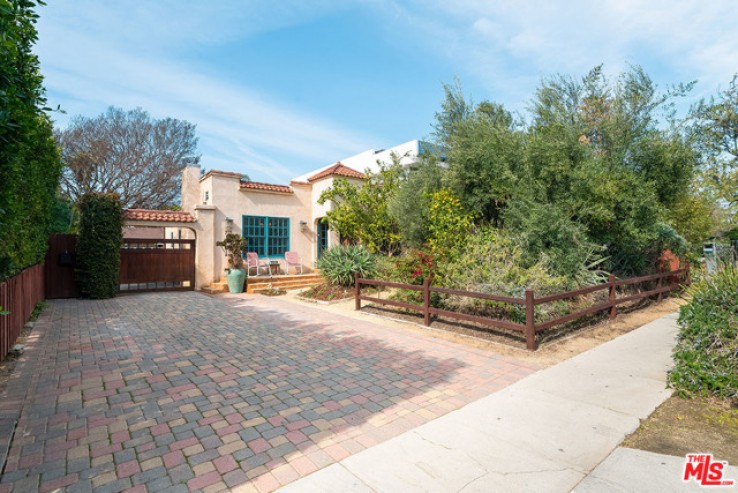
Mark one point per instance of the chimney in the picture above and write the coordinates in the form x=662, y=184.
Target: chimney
x=190, y=187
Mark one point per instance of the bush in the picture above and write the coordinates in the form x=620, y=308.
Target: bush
x=491, y=262
x=338, y=264
x=706, y=354
x=449, y=224
x=413, y=266
x=546, y=230
x=99, y=243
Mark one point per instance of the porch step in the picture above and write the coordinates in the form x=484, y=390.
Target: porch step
x=215, y=288
x=261, y=283
x=286, y=284
x=289, y=278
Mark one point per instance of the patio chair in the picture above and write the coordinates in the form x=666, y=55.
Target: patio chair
x=253, y=262
x=292, y=259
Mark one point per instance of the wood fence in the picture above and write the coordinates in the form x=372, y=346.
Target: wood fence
x=157, y=264
x=19, y=295
x=666, y=282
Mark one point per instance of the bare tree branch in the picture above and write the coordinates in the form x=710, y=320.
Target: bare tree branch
x=128, y=153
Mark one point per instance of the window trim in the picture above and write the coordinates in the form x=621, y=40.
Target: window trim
x=266, y=234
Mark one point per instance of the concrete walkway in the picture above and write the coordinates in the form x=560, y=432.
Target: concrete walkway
x=546, y=432
x=637, y=471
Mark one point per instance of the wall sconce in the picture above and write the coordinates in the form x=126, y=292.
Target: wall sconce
x=228, y=225
x=303, y=226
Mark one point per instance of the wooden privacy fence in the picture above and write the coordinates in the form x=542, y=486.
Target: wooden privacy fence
x=666, y=282
x=19, y=295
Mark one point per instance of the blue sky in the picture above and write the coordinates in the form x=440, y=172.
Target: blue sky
x=280, y=88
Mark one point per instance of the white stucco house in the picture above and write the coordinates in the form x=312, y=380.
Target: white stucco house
x=274, y=218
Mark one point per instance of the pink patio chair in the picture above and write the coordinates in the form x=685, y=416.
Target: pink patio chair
x=292, y=259
x=253, y=262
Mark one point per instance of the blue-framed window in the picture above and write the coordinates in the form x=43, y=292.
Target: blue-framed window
x=267, y=236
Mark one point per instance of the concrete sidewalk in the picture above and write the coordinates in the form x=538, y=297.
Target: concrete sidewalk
x=546, y=432
x=637, y=471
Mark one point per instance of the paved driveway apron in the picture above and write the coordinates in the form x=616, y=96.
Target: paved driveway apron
x=184, y=392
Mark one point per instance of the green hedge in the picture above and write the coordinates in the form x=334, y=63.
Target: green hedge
x=98, y=245
x=706, y=354
x=29, y=160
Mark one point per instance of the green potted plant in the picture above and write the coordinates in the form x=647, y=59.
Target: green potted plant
x=234, y=246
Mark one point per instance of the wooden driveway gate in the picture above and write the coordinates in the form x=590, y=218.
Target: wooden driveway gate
x=157, y=265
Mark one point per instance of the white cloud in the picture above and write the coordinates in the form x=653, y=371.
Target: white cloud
x=239, y=129
x=509, y=45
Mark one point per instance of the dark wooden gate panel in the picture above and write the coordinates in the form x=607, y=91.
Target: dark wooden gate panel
x=157, y=265
x=59, y=266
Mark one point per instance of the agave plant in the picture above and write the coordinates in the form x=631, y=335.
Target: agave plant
x=338, y=264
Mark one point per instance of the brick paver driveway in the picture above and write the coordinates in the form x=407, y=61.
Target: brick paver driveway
x=181, y=391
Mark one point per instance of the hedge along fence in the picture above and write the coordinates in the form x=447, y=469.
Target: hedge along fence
x=666, y=282
x=19, y=295
x=98, y=244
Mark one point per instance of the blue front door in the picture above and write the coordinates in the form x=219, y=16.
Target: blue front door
x=322, y=236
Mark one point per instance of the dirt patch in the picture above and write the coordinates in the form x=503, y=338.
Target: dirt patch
x=554, y=345
x=681, y=426
x=328, y=292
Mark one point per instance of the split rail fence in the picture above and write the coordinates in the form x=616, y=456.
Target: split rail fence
x=665, y=282
x=19, y=295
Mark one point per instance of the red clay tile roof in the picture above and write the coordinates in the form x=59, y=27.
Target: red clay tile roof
x=267, y=187
x=154, y=215
x=337, y=169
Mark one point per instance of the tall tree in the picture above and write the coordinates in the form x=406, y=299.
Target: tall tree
x=716, y=131
x=29, y=160
x=410, y=206
x=485, y=156
x=598, y=153
x=128, y=153
x=360, y=211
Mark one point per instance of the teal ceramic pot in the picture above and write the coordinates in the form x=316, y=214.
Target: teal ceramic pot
x=236, y=279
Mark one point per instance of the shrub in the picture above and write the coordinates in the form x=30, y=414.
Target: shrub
x=413, y=266
x=491, y=262
x=706, y=354
x=546, y=230
x=99, y=243
x=338, y=264
x=449, y=224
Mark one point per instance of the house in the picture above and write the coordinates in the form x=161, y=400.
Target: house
x=274, y=218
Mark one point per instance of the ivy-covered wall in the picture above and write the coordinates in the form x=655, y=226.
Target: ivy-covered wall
x=29, y=159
